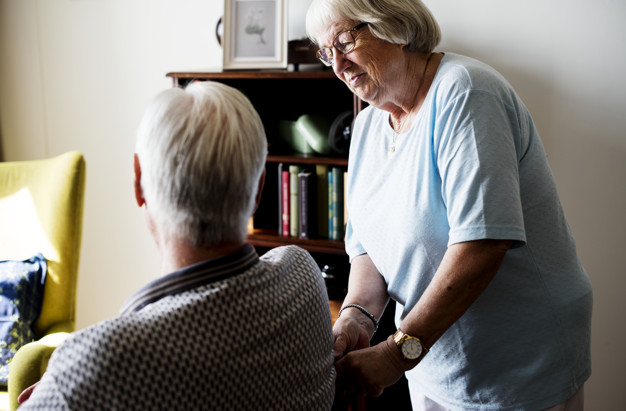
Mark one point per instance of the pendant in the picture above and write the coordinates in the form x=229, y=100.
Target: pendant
x=392, y=147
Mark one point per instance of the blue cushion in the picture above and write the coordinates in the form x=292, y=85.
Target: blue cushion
x=21, y=296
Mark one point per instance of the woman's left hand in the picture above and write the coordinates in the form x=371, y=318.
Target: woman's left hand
x=370, y=370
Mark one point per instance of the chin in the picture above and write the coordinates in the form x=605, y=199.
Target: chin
x=368, y=98
x=364, y=95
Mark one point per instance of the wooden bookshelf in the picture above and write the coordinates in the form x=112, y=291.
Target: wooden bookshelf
x=285, y=95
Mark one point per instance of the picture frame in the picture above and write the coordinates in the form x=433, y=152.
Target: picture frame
x=255, y=34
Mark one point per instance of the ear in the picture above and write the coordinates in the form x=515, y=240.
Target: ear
x=259, y=190
x=137, y=183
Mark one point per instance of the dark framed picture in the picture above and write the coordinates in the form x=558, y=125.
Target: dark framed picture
x=255, y=34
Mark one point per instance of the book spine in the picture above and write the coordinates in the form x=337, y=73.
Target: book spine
x=322, y=200
x=311, y=202
x=331, y=234
x=293, y=204
x=337, y=193
x=280, y=199
x=285, y=203
x=303, y=206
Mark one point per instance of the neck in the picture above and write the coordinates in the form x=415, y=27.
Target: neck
x=412, y=99
x=176, y=254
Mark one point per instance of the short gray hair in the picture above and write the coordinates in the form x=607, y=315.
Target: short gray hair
x=202, y=151
x=407, y=22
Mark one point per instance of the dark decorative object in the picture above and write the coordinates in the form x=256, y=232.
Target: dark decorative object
x=341, y=132
x=301, y=52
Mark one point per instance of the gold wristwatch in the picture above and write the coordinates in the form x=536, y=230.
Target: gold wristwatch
x=410, y=347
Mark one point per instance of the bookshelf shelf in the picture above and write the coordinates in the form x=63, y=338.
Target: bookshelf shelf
x=183, y=77
x=269, y=238
x=307, y=160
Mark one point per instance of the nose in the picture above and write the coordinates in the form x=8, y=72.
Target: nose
x=340, y=62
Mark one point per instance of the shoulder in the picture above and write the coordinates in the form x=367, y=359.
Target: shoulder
x=368, y=120
x=459, y=74
x=368, y=114
x=289, y=256
x=294, y=268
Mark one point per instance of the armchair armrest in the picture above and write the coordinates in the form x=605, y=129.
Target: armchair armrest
x=31, y=361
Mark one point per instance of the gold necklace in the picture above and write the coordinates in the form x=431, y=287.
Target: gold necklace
x=396, y=131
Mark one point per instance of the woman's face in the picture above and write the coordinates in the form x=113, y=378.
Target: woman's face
x=370, y=69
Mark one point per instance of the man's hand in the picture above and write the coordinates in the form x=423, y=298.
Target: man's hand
x=370, y=370
x=25, y=395
x=350, y=334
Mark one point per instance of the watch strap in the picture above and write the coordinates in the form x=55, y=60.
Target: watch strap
x=400, y=336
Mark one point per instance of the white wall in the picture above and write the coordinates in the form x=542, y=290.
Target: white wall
x=76, y=74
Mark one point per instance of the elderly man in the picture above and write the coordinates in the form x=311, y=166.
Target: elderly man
x=221, y=328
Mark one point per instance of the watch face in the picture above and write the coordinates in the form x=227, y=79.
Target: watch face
x=411, y=349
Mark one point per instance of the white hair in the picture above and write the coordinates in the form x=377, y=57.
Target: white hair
x=407, y=22
x=202, y=151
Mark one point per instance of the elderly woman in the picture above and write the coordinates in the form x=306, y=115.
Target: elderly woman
x=454, y=214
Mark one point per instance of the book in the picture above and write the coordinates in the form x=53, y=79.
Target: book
x=337, y=203
x=331, y=234
x=280, y=198
x=265, y=215
x=306, y=205
x=311, y=202
x=321, y=172
x=285, y=203
x=293, y=200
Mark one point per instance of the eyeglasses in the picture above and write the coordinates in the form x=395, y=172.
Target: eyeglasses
x=343, y=42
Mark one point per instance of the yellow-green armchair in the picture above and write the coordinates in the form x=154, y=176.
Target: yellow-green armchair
x=41, y=211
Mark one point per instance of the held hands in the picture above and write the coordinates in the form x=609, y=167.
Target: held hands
x=361, y=368
x=370, y=370
x=350, y=334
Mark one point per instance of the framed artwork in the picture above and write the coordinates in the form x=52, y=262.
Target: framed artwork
x=255, y=34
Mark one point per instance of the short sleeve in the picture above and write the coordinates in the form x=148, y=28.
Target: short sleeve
x=353, y=246
x=477, y=157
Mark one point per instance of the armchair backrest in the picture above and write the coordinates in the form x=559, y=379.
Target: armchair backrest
x=41, y=211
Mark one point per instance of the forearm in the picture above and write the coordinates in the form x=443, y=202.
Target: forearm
x=366, y=287
x=464, y=273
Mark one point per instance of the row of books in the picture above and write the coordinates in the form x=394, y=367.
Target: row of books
x=311, y=201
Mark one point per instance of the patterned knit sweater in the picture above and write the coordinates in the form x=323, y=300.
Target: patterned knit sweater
x=238, y=332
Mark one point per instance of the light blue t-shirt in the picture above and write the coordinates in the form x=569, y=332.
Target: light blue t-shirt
x=472, y=167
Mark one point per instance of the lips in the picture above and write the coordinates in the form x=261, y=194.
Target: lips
x=354, y=80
